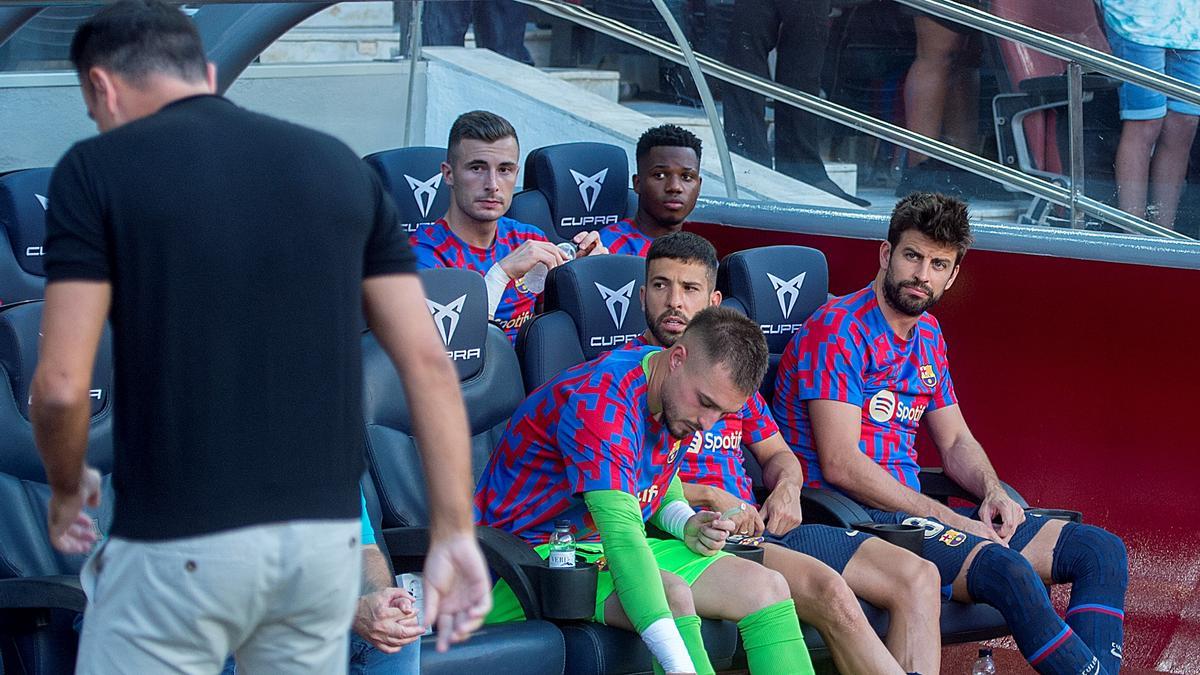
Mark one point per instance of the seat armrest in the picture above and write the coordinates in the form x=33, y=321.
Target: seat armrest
x=937, y=485
x=54, y=592
x=505, y=554
x=829, y=507
x=1054, y=87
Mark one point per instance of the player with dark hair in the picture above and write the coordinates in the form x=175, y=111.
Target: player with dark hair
x=599, y=445
x=481, y=170
x=681, y=277
x=667, y=183
x=851, y=391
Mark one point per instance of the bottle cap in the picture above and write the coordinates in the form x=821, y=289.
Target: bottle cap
x=985, y=651
x=569, y=249
x=562, y=523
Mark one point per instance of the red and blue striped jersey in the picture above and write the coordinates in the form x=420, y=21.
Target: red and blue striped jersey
x=715, y=456
x=847, y=352
x=624, y=238
x=437, y=246
x=587, y=429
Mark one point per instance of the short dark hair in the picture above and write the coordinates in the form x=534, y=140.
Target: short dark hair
x=667, y=135
x=730, y=339
x=943, y=219
x=135, y=38
x=686, y=247
x=479, y=125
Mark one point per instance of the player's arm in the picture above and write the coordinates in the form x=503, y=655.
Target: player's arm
x=454, y=568
x=784, y=477
x=746, y=520
x=836, y=430
x=967, y=464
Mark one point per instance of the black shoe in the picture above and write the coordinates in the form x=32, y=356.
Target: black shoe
x=834, y=189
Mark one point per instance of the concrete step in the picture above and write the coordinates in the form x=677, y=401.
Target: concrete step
x=604, y=83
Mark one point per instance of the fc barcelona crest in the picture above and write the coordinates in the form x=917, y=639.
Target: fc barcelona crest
x=928, y=376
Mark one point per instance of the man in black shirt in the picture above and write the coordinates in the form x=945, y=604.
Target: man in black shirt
x=233, y=254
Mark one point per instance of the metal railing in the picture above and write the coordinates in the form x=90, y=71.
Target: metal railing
x=1067, y=197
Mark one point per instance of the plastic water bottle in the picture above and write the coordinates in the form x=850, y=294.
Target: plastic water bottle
x=562, y=545
x=984, y=665
x=535, y=279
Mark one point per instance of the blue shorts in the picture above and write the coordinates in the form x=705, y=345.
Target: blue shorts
x=948, y=548
x=833, y=546
x=1139, y=103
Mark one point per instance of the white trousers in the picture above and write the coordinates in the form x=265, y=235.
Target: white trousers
x=280, y=596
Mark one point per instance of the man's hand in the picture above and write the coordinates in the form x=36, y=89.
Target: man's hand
x=997, y=504
x=458, y=590
x=387, y=619
x=706, y=532
x=747, y=522
x=781, y=510
x=71, y=529
x=518, y=263
x=972, y=526
x=588, y=243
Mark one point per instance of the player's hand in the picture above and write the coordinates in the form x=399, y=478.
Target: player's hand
x=747, y=522
x=518, y=263
x=387, y=619
x=781, y=509
x=588, y=243
x=997, y=505
x=706, y=532
x=71, y=529
x=975, y=527
x=458, y=589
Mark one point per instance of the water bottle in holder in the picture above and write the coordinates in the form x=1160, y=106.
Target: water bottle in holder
x=984, y=665
x=562, y=545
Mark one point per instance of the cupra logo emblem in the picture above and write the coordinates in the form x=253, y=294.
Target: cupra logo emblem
x=787, y=291
x=589, y=187
x=446, y=316
x=613, y=298
x=42, y=200
x=424, y=192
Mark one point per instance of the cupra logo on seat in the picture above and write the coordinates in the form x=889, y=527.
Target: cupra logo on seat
x=613, y=298
x=787, y=291
x=42, y=200
x=589, y=187
x=446, y=316
x=424, y=191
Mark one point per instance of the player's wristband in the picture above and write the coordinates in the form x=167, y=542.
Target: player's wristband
x=497, y=281
x=671, y=517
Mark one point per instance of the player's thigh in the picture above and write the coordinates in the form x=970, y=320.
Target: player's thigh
x=733, y=588
x=884, y=574
x=950, y=550
x=832, y=546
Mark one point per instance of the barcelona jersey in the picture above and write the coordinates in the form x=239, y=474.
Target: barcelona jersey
x=587, y=429
x=624, y=238
x=847, y=352
x=437, y=246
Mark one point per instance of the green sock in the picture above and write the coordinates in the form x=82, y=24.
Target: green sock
x=689, y=629
x=773, y=641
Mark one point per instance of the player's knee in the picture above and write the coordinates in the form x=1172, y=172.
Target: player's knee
x=1004, y=579
x=1087, y=550
x=679, y=595
x=763, y=588
x=838, y=606
x=919, y=582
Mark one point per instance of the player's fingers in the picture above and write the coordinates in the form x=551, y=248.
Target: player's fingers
x=433, y=604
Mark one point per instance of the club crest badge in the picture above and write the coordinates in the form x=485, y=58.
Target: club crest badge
x=928, y=376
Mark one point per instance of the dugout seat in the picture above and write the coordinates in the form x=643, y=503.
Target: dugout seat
x=413, y=176
x=22, y=229
x=40, y=596
x=591, y=306
x=574, y=187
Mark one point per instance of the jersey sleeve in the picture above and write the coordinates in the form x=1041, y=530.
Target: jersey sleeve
x=387, y=250
x=943, y=394
x=828, y=360
x=757, y=423
x=368, y=532
x=76, y=244
x=598, y=440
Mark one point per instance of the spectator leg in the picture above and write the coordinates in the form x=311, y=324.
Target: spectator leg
x=929, y=79
x=753, y=33
x=803, y=34
x=1168, y=167
x=1133, y=163
x=500, y=27
x=444, y=24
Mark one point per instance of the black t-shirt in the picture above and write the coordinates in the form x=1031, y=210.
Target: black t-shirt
x=236, y=245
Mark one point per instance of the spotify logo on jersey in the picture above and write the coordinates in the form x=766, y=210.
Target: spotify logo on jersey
x=882, y=406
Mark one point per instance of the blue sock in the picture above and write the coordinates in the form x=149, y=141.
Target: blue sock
x=1005, y=580
x=1095, y=563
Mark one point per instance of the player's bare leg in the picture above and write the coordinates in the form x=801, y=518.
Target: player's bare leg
x=909, y=588
x=679, y=598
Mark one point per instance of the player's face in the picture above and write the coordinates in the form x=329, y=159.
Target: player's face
x=674, y=291
x=697, y=393
x=482, y=177
x=667, y=184
x=918, y=272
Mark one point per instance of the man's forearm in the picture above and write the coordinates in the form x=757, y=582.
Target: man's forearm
x=376, y=575
x=968, y=465
x=782, y=470
x=60, y=429
x=698, y=495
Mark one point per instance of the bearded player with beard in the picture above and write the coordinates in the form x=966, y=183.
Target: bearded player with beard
x=851, y=390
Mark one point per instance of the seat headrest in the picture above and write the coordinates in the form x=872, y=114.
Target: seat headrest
x=23, y=204
x=585, y=184
x=413, y=176
x=777, y=286
x=457, y=299
x=20, y=326
x=601, y=295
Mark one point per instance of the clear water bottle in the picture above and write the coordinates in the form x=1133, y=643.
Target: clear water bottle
x=562, y=545
x=535, y=279
x=984, y=665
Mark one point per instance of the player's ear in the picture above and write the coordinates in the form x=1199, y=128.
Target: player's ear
x=953, y=276
x=677, y=355
x=714, y=299
x=885, y=254
x=447, y=174
x=642, y=296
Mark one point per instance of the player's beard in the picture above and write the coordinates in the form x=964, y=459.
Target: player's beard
x=665, y=339
x=906, y=304
x=678, y=428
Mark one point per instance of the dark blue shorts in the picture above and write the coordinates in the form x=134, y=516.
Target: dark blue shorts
x=948, y=548
x=833, y=546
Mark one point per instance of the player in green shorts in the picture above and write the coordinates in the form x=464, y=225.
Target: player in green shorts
x=599, y=445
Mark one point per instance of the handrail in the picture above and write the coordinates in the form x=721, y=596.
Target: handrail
x=843, y=115
x=1059, y=47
